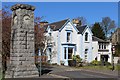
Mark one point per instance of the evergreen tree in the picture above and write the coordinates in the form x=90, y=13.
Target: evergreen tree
x=98, y=31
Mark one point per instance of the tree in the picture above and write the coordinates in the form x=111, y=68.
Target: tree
x=6, y=30
x=42, y=39
x=98, y=31
x=107, y=25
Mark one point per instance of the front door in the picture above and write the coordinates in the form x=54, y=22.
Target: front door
x=104, y=58
x=70, y=53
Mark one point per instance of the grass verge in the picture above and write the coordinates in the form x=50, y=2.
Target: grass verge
x=0, y=74
x=117, y=67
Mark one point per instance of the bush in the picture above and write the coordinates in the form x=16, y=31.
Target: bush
x=118, y=67
x=77, y=61
x=94, y=62
x=110, y=67
x=107, y=63
x=77, y=58
x=98, y=63
x=54, y=63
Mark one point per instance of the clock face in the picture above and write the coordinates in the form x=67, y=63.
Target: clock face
x=15, y=20
x=26, y=19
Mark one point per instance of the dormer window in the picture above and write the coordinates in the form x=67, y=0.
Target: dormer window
x=68, y=36
x=86, y=36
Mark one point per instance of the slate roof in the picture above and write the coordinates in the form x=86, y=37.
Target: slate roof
x=94, y=38
x=56, y=25
x=81, y=29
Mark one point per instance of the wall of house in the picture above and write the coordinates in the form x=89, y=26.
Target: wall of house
x=109, y=53
x=55, y=48
x=63, y=39
x=87, y=45
x=95, y=50
x=79, y=45
x=63, y=34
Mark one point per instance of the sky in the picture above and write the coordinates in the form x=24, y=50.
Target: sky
x=61, y=0
x=56, y=11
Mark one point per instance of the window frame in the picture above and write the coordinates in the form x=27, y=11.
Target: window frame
x=86, y=36
x=86, y=54
x=65, y=52
x=70, y=36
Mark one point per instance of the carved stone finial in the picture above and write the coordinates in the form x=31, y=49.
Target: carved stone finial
x=22, y=6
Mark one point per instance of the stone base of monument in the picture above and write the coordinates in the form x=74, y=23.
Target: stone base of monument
x=22, y=72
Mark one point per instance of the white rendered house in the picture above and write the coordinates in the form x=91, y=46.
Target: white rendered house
x=68, y=40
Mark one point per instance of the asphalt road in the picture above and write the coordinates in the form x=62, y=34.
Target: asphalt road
x=67, y=72
x=83, y=74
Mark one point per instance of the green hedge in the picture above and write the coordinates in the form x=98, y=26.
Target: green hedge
x=97, y=63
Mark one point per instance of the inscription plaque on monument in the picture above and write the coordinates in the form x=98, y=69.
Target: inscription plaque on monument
x=22, y=43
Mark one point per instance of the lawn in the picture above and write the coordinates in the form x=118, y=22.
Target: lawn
x=0, y=76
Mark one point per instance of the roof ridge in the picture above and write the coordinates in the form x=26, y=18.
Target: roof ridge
x=57, y=25
x=58, y=21
x=98, y=38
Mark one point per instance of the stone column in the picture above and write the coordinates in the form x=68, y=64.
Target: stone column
x=22, y=51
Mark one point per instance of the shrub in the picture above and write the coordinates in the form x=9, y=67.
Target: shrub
x=94, y=62
x=76, y=60
x=118, y=66
x=54, y=63
x=107, y=63
x=98, y=63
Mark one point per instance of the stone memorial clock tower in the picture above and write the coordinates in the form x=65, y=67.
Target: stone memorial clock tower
x=22, y=63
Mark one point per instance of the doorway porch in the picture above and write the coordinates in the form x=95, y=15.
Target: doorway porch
x=68, y=52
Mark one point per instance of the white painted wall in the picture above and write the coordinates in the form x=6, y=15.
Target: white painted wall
x=95, y=50
x=87, y=45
